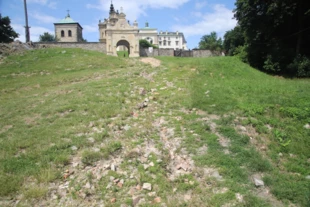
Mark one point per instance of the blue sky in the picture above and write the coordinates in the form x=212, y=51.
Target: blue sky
x=192, y=17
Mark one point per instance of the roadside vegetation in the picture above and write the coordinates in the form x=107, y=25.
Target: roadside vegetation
x=82, y=128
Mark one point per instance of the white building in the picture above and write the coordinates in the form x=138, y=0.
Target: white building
x=149, y=34
x=175, y=40
x=166, y=40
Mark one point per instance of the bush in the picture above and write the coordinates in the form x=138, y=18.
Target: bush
x=241, y=53
x=300, y=66
x=270, y=65
x=146, y=44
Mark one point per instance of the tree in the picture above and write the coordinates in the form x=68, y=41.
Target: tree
x=211, y=42
x=233, y=39
x=7, y=33
x=277, y=33
x=146, y=44
x=47, y=37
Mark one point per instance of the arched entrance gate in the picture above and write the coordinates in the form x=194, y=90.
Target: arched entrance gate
x=124, y=43
x=116, y=31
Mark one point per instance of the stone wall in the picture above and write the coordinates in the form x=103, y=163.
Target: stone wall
x=95, y=46
x=203, y=53
x=144, y=52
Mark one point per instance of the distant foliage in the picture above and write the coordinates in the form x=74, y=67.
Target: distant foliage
x=275, y=36
x=7, y=33
x=145, y=44
x=211, y=42
x=47, y=37
x=233, y=39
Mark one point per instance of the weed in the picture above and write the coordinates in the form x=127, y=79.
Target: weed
x=90, y=157
x=35, y=192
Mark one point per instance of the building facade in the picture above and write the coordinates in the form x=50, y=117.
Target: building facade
x=149, y=34
x=67, y=30
x=116, y=32
x=175, y=40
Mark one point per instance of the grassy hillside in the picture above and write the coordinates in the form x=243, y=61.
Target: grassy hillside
x=79, y=127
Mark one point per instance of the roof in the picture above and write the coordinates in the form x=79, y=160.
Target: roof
x=67, y=20
x=170, y=33
x=147, y=28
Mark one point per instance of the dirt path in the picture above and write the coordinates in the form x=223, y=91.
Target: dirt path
x=152, y=61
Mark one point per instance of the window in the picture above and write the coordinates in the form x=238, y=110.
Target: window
x=177, y=43
x=169, y=43
x=62, y=33
x=159, y=38
x=69, y=33
x=159, y=42
x=168, y=38
x=165, y=42
x=176, y=37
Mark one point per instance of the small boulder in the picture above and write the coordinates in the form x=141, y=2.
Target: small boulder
x=258, y=182
x=147, y=186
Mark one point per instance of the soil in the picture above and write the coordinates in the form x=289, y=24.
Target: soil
x=152, y=61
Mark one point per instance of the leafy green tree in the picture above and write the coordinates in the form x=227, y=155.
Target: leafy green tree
x=146, y=44
x=7, y=33
x=277, y=33
x=233, y=39
x=47, y=37
x=211, y=42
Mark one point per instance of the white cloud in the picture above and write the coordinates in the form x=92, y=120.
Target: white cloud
x=43, y=2
x=43, y=18
x=200, y=5
x=35, y=32
x=219, y=20
x=135, y=8
x=50, y=4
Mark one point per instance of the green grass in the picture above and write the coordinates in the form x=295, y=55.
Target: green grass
x=122, y=53
x=54, y=101
x=225, y=86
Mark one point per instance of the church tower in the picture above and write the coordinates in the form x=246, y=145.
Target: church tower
x=67, y=30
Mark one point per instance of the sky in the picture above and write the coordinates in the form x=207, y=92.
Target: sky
x=192, y=17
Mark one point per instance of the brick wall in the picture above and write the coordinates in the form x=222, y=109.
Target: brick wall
x=95, y=46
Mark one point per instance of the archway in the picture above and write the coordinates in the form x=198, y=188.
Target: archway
x=124, y=43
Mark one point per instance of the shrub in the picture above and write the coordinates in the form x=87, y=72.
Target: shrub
x=241, y=53
x=300, y=66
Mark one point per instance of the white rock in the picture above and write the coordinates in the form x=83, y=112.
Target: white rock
x=258, y=182
x=113, y=167
x=147, y=186
x=308, y=177
x=239, y=197
x=91, y=140
x=126, y=128
x=88, y=186
x=146, y=166
x=74, y=148
x=307, y=126
x=242, y=128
